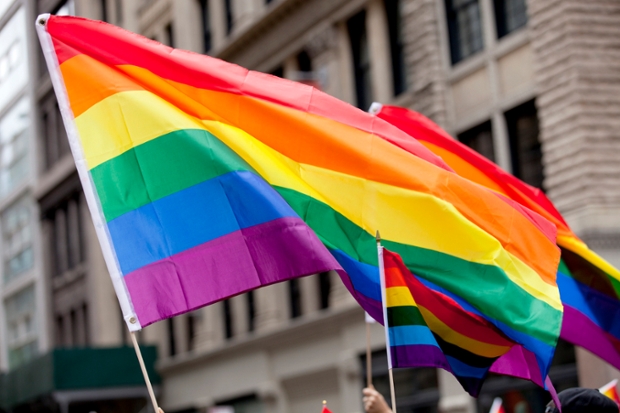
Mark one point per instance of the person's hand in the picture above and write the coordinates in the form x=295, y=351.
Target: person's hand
x=374, y=401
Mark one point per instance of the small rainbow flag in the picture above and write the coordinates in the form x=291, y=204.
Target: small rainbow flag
x=611, y=390
x=589, y=285
x=428, y=328
x=206, y=180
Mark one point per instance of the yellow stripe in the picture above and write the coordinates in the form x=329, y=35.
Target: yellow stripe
x=126, y=119
x=474, y=346
x=582, y=249
x=399, y=297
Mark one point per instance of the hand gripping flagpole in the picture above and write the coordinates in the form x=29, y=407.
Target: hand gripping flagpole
x=385, y=320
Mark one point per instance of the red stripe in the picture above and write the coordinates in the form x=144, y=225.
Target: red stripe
x=115, y=46
x=443, y=307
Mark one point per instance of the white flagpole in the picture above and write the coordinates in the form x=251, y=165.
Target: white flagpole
x=368, y=355
x=385, y=320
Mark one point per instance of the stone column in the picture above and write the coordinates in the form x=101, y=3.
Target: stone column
x=339, y=296
x=379, y=48
x=576, y=46
x=271, y=306
x=453, y=399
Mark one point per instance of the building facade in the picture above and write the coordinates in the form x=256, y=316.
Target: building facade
x=533, y=85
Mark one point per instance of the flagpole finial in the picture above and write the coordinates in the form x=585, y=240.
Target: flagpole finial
x=324, y=402
x=378, y=236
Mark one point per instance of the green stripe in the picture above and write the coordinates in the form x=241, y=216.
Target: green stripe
x=184, y=158
x=485, y=286
x=162, y=167
x=404, y=316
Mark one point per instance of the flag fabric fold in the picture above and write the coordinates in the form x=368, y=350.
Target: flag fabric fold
x=205, y=180
x=589, y=285
x=428, y=328
x=611, y=390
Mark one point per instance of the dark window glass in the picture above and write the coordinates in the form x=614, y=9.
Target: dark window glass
x=172, y=341
x=85, y=325
x=60, y=331
x=524, y=396
x=416, y=389
x=325, y=286
x=465, y=28
x=104, y=10
x=268, y=1
x=509, y=16
x=361, y=59
x=294, y=292
x=304, y=62
x=393, y=12
x=206, y=25
x=251, y=310
x=191, y=331
x=229, y=16
x=278, y=71
x=170, y=35
x=525, y=148
x=55, y=142
x=480, y=139
x=228, y=321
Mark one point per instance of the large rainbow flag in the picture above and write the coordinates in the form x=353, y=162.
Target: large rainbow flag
x=206, y=180
x=429, y=328
x=589, y=285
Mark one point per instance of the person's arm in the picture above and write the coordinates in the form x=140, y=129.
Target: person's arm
x=374, y=401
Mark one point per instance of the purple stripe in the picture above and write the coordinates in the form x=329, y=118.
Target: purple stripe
x=232, y=264
x=419, y=356
x=578, y=329
x=519, y=362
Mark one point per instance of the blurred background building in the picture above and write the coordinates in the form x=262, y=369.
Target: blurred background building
x=532, y=84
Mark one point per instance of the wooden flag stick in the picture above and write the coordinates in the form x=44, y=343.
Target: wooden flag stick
x=144, y=373
x=385, y=319
x=368, y=357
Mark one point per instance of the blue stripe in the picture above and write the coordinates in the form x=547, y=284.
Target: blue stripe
x=364, y=277
x=604, y=311
x=193, y=216
x=411, y=335
x=465, y=370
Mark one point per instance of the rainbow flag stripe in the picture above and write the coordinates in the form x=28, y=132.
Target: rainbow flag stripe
x=610, y=390
x=428, y=328
x=205, y=180
x=589, y=285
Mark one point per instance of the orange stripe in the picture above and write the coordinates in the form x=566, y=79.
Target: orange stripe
x=349, y=154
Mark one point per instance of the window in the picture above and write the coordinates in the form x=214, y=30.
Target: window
x=416, y=389
x=229, y=15
x=104, y=10
x=13, y=58
x=170, y=35
x=294, y=293
x=14, y=147
x=72, y=327
x=251, y=310
x=278, y=71
x=21, y=332
x=510, y=15
x=361, y=59
x=524, y=396
x=465, y=28
x=228, y=320
x=118, y=8
x=191, y=331
x=393, y=12
x=55, y=142
x=480, y=139
x=17, y=240
x=325, y=286
x=206, y=25
x=172, y=342
x=66, y=235
x=525, y=148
